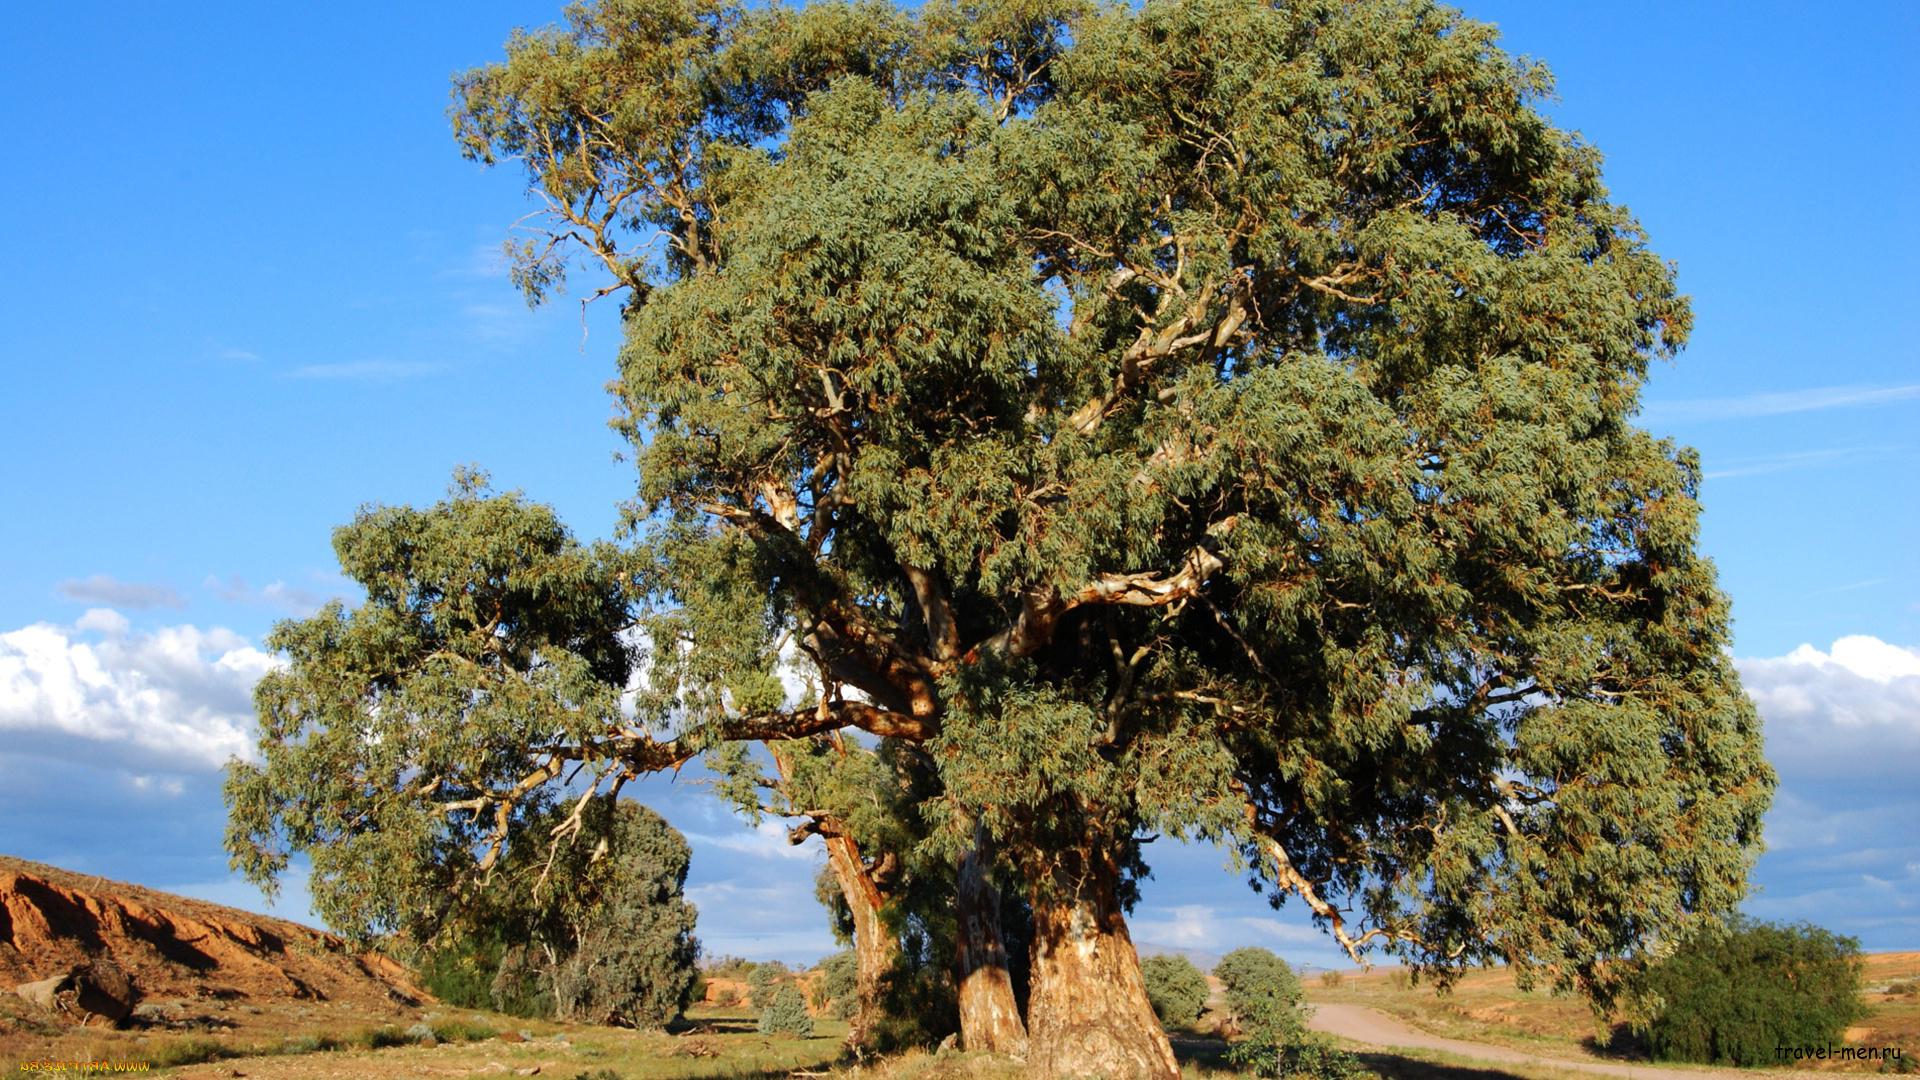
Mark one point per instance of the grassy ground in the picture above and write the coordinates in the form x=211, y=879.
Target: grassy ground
x=1484, y=1008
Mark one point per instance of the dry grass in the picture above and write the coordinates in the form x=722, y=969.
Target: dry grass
x=1486, y=1007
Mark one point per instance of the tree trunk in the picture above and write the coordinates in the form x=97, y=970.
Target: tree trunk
x=989, y=1015
x=1089, y=1015
x=875, y=948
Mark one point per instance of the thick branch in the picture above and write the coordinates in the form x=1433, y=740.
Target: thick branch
x=1041, y=609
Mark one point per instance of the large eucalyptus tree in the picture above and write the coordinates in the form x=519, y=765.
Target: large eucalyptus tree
x=1211, y=419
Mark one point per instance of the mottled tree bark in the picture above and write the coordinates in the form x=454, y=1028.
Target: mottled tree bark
x=1089, y=1014
x=989, y=1014
x=875, y=948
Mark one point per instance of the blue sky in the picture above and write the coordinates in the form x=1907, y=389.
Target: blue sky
x=251, y=285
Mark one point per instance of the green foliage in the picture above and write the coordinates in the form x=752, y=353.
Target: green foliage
x=1269, y=1013
x=786, y=1014
x=632, y=958
x=838, y=991
x=763, y=982
x=1245, y=390
x=460, y=971
x=1176, y=988
x=1729, y=997
x=522, y=983
x=1208, y=418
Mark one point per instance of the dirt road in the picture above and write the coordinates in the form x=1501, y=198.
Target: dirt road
x=1375, y=1028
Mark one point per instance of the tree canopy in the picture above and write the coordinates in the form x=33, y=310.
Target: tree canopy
x=1210, y=419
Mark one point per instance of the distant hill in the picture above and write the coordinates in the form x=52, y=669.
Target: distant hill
x=182, y=956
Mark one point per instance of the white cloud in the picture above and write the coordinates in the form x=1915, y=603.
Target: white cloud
x=105, y=589
x=767, y=840
x=174, y=699
x=1203, y=927
x=1851, y=710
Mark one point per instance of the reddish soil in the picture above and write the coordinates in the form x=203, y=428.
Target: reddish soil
x=195, y=966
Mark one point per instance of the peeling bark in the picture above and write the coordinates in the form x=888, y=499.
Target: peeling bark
x=875, y=948
x=989, y=1014
x=1089, y=1015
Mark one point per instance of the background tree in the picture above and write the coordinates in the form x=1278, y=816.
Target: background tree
x=838, y=986
x=1268, y=1017
x=786, y=1014
x=601, y=935
x=1175, y=987
x=1731, y=996
x=763, y=982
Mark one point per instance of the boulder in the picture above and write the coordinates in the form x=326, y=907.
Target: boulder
x=96, y=992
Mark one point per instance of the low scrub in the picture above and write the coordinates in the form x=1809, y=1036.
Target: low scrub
x=786, y=1014
x=1270, y=1017
x=1175, y=987
x=1730, y=996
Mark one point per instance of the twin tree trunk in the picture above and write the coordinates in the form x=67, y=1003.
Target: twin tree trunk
x=1089, y=1014
x=989, y=1014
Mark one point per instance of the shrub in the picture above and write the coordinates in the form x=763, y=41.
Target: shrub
x=522, y=984
x=1729, y=996
x=460, y=971
x=634, y=967
x=1332, y=979
x=839, y=984
x=762, y=982
x=786, y=1014
x=726, y=997
x=1264, y=996
x=1175, y=987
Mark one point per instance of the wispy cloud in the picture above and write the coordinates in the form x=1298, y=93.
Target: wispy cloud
x=111, y=591
x=1779, y=403
x=1773, y=463
x=230, y=352
x=1852, y=586
x=291, y=599
x=366, y=370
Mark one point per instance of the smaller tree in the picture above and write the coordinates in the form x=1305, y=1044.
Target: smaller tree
x=839, y=984
x=1176, y=988
x=786, y=1014
x=1267, y=1009
x=1731, y=996
x=762, y=982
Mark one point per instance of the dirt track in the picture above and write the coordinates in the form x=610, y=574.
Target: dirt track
x=1375, y=1028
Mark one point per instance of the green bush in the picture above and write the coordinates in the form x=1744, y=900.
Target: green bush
x=1264, y=996
x=786, y=1014
x=762, y=982
x=1176, y=988
x=460, y=971
x=1730, y=996
x=839, y=984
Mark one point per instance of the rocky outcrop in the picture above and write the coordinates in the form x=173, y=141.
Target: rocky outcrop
x=87, y=949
